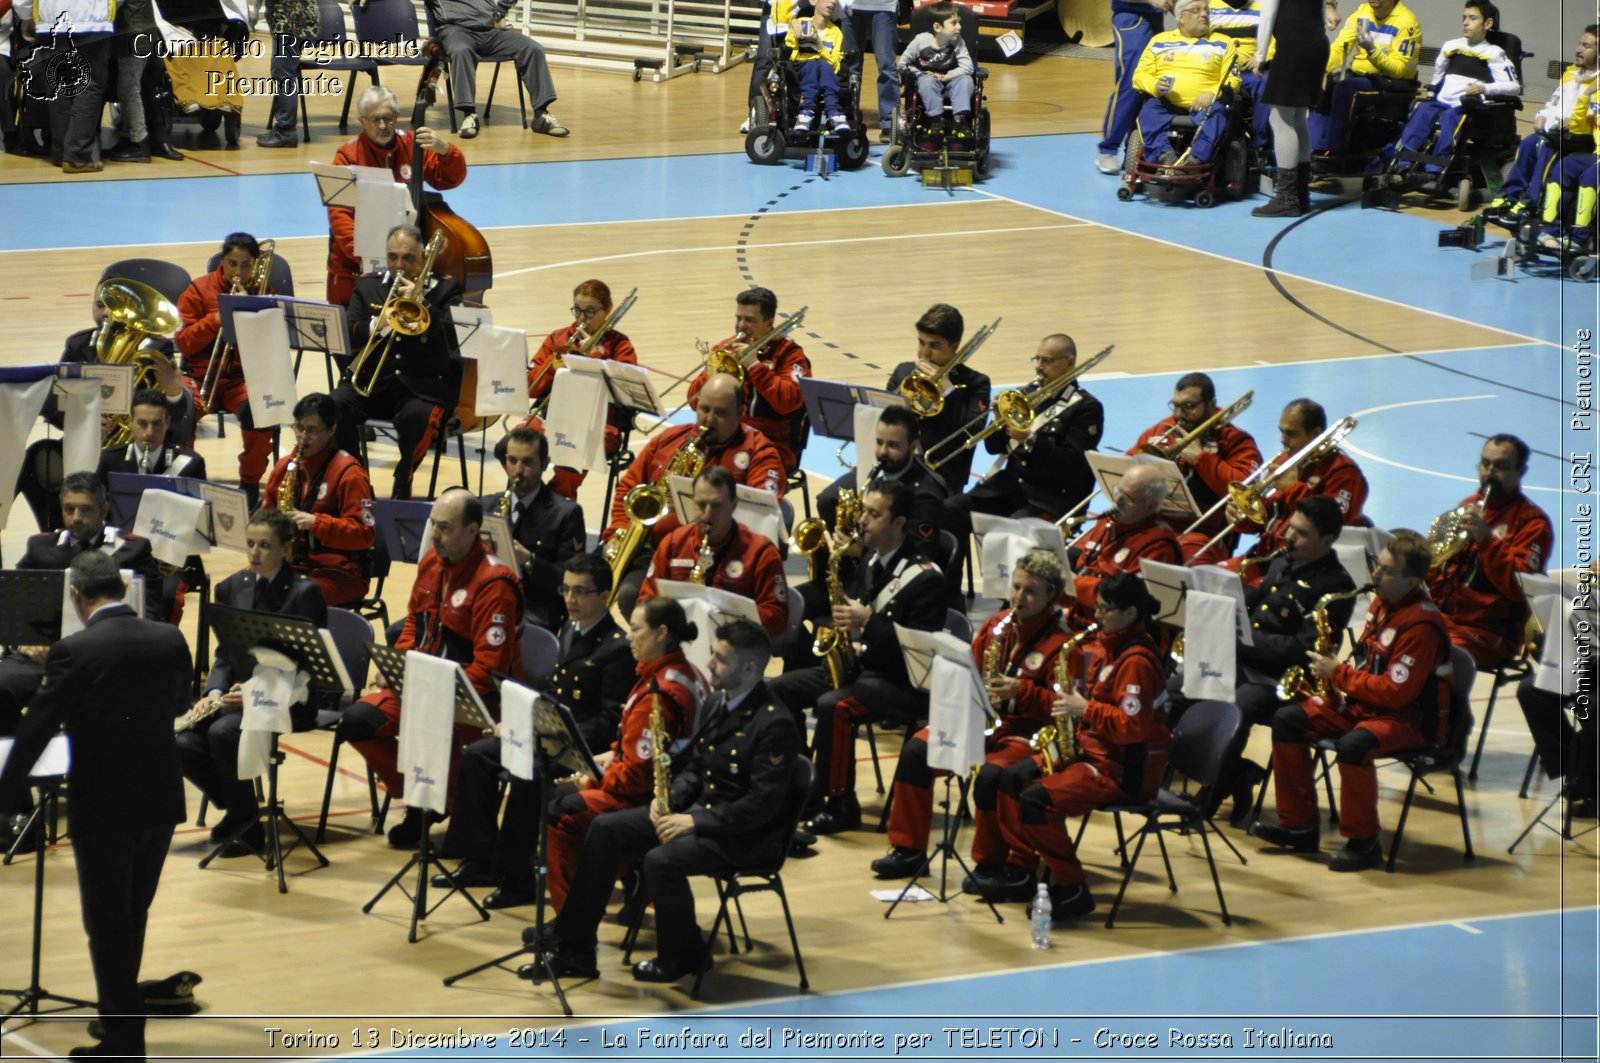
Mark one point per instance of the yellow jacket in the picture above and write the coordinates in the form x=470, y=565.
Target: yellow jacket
x=1197, y=65
x=828, y=47
x=1397, y=41
x=1240, y=23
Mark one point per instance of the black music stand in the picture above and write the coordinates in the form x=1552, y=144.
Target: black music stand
x=239, y=632
x=558, y=743
x=33, y=994
x=30, y=615
x=400, y=523
x=469, y=709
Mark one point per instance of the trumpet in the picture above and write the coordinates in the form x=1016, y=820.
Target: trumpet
x=1013, y=410
x=590, y=341
x=402, y=316
x=1448, y=534
x=1162, y=448
x=216, y=368
x=1253, y=495
x=926, y=393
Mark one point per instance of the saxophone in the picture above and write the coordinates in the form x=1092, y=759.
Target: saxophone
x=1300, y=682
x=286, y=488
x=661, y=758
x=1057, y=744
x=647, y=504
x=833, y=645
x=701, y=572
x=146, y=462
x=994, y=668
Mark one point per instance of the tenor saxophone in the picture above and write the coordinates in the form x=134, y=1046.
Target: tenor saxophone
x=1057, y=744
x=833, y=645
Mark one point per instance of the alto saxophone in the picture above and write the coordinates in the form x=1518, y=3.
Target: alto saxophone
x=833, y=645
x=286, y=488
x=661, y=757
x=1057, y=744
x=994, y=668
x=1300, y=682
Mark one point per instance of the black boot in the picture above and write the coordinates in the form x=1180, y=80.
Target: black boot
x=1284, y=203
x=1302, y=187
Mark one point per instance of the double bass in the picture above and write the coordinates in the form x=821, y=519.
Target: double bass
x=466, y=253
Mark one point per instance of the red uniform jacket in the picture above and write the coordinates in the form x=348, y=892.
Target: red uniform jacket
x=773, y=404
x=749, y=455
x=1123, y=733
x=336, y=553
x=470, y=613
x=1109, y=548
x=747, y=564
x=1028, y=652
x=1228, y=454
x=442, y=171
x=614, y=348
x=1335, y=476
x=1478, y=588
x=1405, y=669
x=199, y=332
x=631, y=773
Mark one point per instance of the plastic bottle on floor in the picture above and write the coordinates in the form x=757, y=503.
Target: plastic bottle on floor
x=1039, y=912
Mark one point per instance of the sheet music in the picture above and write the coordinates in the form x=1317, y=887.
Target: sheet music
x=229, y=512
x=629, y=385
x=1167, y=584
x=1109, y=469
x=1212, y=579
x=116, y=385
x=496, y=530
x=54, y=760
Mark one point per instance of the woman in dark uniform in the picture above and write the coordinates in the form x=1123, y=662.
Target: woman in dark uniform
x=1293, y=88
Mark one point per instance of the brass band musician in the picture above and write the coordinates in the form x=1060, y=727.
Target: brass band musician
x=546, y=528
x=966, y=399
x=1131, y=532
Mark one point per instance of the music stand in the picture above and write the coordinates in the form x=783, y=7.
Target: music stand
x=30, y=607
x=47, y=774
x=401, y=524
x=920, y=649
x=556, y=743
x=239, y=632
x=469, y=708
x=313, y=325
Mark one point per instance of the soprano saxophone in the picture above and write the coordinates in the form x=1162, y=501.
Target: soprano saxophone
x=661, y=757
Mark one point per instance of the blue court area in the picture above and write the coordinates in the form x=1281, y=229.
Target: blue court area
x=1518, y=987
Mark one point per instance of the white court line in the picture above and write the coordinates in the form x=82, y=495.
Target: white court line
x=1347, y=445
x=785, y=243
x=1467, y=927
x=33, y=1049
x=1266, y=269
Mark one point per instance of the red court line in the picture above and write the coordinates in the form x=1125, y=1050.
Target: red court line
x=214, y=166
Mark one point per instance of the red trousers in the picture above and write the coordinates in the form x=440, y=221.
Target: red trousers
x=1358, y=783
x=1489, y=648
x=912, y=815
x=566, y=839
x=1072, y=792
x=232, y=396
x=382, y=752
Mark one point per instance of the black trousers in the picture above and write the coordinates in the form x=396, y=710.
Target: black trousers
x=617, y=837
x=1563, y=751
x=209, y=756
x=413, y=419
x=889, y=702
x=118, y=872
x=509, y=850
x=19, y=678
x=75, y=115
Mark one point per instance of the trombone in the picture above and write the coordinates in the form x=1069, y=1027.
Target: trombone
x=216, y=367
x=926, y=393
x=402, y=315
x=591, y=341
x=723, y=359
x=1013, y=410
x=1160, y=448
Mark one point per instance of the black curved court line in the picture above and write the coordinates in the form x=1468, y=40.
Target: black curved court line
x=750, y=278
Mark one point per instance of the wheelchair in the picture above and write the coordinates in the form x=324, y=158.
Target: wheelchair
x=919, y=139
x=773, y=138
x=1232, y=172
x=1476, y=160
x=1376, y=121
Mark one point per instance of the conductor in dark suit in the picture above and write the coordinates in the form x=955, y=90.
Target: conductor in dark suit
x=209, y=751
x=547, y=527
x=727, y=812
x=593, y=675
x=83, y=510
x=420, y=381
x=114, y=687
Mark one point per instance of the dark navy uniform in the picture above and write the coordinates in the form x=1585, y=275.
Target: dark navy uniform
x=967, y=399
x=1046, y=474
x=550, y=527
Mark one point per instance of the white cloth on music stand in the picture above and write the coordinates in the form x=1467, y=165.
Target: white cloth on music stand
x=575, y=420
x=998, y=554
x=866, y=425
x=502, y=357
x=1209, y=646
x=427, y=724
x=1556, y=671
x=19, y=407
x=268, y=365
x=516, y=729
x=955, y=720
x=80, y=443
x=275, y=684
x=169, y=520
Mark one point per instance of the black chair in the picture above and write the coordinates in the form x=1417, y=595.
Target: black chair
x=280, y=278
x=330, y=31
x=1200, y=745
x=167, y=278
x=734, y=883
x=1511, y=671
x=955, y=623
x=351, y=632
x=494, y=81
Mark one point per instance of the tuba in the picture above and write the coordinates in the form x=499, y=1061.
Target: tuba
x=134, y=313
x=1013, y=410
x=1448, y=535
x=1057, y=744
x=645, y=505
x=926, y=393
x=1300, y=682
x=402, y=315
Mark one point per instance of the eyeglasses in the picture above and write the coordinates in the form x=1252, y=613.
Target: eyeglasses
x=1186, y=407
x=381, y=119
x=309, y=429
x=585, y=311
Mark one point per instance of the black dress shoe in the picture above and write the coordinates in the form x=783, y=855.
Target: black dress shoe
x=407, y=834
x=900, y=862
x=1069, y=902
x=840, y=814
x=1296, y=839
x=472, y=874
x=166, y=151
x=508, y=898
x=568, y=964
x=984, y=876
x=274, y=139
x=546, y=936
x=128, y=151
x=802, y=843
x=660, y=970
x=1357, y=855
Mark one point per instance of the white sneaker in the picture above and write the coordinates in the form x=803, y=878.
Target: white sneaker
x=1108, y=163
x=744, y=127
x=839, y=122
x=469, y=126
x=803, y=123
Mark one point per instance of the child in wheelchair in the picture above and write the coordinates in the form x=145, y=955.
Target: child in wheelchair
x=939, y=65
x=816, y=45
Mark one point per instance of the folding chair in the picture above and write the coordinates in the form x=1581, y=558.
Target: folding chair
x=351, y=632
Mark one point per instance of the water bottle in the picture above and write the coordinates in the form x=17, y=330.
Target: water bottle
x=1039, y=913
